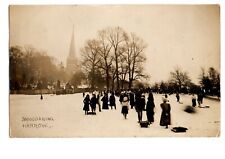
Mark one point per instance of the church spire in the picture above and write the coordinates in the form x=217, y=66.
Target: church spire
x=71, y=59
x=72, y=46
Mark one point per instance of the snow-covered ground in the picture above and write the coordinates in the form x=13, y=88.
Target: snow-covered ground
x=62, y=116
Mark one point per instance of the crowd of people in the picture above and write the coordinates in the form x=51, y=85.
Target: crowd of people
x=134, y=99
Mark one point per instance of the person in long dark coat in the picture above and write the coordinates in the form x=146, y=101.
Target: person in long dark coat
x=86, y=104
x=200, y=98
x=105, y=101
x=93, y=103
x=178, y=97
x=121, y=97
x=41, y=97
x=150, y=108
x=132, y=102
x=99, y=106
x=140, y=105
x=193, y=99
x=165, y=119
x=112, y=101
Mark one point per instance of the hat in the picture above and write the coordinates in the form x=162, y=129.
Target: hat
x=164, y=99
x=125, y=98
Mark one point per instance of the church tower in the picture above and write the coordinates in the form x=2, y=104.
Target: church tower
x=71, y=63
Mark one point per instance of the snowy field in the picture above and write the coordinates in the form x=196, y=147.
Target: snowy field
x=62, y=116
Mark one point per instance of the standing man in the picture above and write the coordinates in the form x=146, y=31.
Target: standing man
x=140, y=105
x=200, y=98
x=178, y=97
x=112, y=100
x=193, y=99
x=132, y=102
x=99, y=106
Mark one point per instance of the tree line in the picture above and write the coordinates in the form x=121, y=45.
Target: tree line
x=30, y=68
x=179, y=81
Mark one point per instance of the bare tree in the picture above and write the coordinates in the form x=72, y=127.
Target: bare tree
x=105, y=54
x=135, y=57
x=91, y=60
x=123, y=69
x=115, y=36
x=179, y=78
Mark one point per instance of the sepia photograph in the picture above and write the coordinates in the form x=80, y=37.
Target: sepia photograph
x=78, y=71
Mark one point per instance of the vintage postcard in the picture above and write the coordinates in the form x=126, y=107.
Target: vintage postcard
x=114, y=70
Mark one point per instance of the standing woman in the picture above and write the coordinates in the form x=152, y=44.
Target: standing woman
x=124, y=103
x=105, y=101
x=93, y=103
x=86, y=104
x=165, y=119
x=150, y=108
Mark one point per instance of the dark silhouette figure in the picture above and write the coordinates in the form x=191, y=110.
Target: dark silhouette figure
x=193, y=99
x=132, y=102
x=124, y=103
x=121, y=97
x=41, y=97
x=86, y=104
x=93, y=103
x=150, y=108
x=112, y=101
x=99, y=106
x=83, y=94
x=165, y=97
x=178, y=97
x=105, y=101
x=165, y=119
x=200, y=98
x=140, y=105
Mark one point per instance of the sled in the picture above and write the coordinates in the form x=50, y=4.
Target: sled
x=91, y=113
x=207, y=106
x=179, y=129
x=144, y=124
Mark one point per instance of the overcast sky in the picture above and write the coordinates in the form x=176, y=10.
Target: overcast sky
x=187, y=36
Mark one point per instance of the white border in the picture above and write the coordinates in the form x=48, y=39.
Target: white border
x=100, y=147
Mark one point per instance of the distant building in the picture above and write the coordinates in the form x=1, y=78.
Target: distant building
x=72, y=62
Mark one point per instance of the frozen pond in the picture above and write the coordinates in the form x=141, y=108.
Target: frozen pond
x=62, y=116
